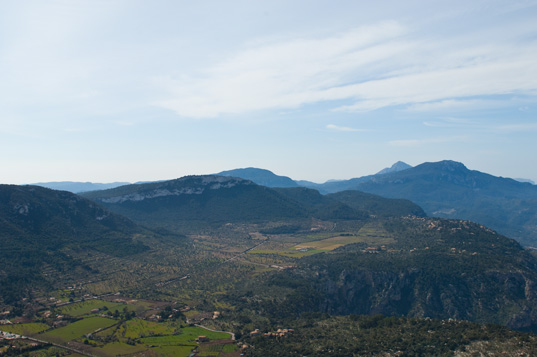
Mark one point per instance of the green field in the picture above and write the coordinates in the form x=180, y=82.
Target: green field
x=326, y=241
x=187, y=336
x=214, y=350
x=137, y=328
x=175, y=340
x=51, y=352
x=119, y=348
x=173, y=351
x=83, y=308
x=79, y=328
x=332, y=243
x=199, y=331
x=25, y=329
x=292, y=253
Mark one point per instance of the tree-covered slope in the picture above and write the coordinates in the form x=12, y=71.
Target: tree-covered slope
x=321, y=335
x=377, y=205
x=436, y=268
x=37, y=225
x=321, y=206
x=219, y=199
x=207, y=199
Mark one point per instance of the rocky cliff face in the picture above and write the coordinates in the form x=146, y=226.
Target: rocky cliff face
x=504, y=298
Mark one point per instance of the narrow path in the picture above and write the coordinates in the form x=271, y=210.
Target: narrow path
x=244, y=252
x=58, y=345
x=210, y=329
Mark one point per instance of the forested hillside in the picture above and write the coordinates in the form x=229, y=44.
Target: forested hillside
x=38, y=225
x=433, y=268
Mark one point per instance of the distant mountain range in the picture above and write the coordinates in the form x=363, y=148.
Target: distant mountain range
x=77, y=187
x=219, y=199
x=445, y=189
x=259, y=176
x=416, y=266
x=331, y=186
x=448, y=189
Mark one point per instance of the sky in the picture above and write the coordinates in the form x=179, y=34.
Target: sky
x=130, y=90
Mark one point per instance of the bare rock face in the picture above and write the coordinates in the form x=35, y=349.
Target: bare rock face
x=189, y=185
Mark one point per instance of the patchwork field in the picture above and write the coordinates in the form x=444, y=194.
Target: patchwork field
x=85, y=307
x=79, y=328
x=121, y=348
x=25, y=329
x=369, y=234
x=152, y=320
x=136, y=328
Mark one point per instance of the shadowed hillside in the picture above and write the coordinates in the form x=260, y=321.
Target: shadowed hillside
x=37, y=225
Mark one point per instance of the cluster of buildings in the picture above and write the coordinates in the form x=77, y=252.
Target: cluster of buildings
x=279, y=333
x=8, y=335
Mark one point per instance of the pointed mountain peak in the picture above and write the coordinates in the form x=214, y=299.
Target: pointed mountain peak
x=398, y=166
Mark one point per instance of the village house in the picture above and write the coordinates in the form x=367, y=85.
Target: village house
x=202, y=339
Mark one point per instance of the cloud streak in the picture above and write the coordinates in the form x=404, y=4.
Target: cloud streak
x=422, y=142
x=372, y=67
x=333, y=127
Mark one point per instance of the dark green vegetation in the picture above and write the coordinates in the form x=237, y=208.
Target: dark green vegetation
x=448, y=189
x=197, y=199
x=432, y=268
x=391, y=336
x=39, y=228
x=376, y=205
x=235, y=256
x=116, y=328
x=179, y=204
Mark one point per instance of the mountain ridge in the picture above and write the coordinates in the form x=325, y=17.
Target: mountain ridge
x=78, y=187
x=449, y=189
x=223, y=199
x=261, y=177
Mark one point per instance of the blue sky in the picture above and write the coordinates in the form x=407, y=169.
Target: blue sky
x=127, y=90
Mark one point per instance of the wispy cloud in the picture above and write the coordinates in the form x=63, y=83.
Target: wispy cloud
x=342, y=128
x=516, y=127
x=482, y=125
x=453, y=122
x=287, y=74
x=373, y=67
x=427, y=141
x=449, y=105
